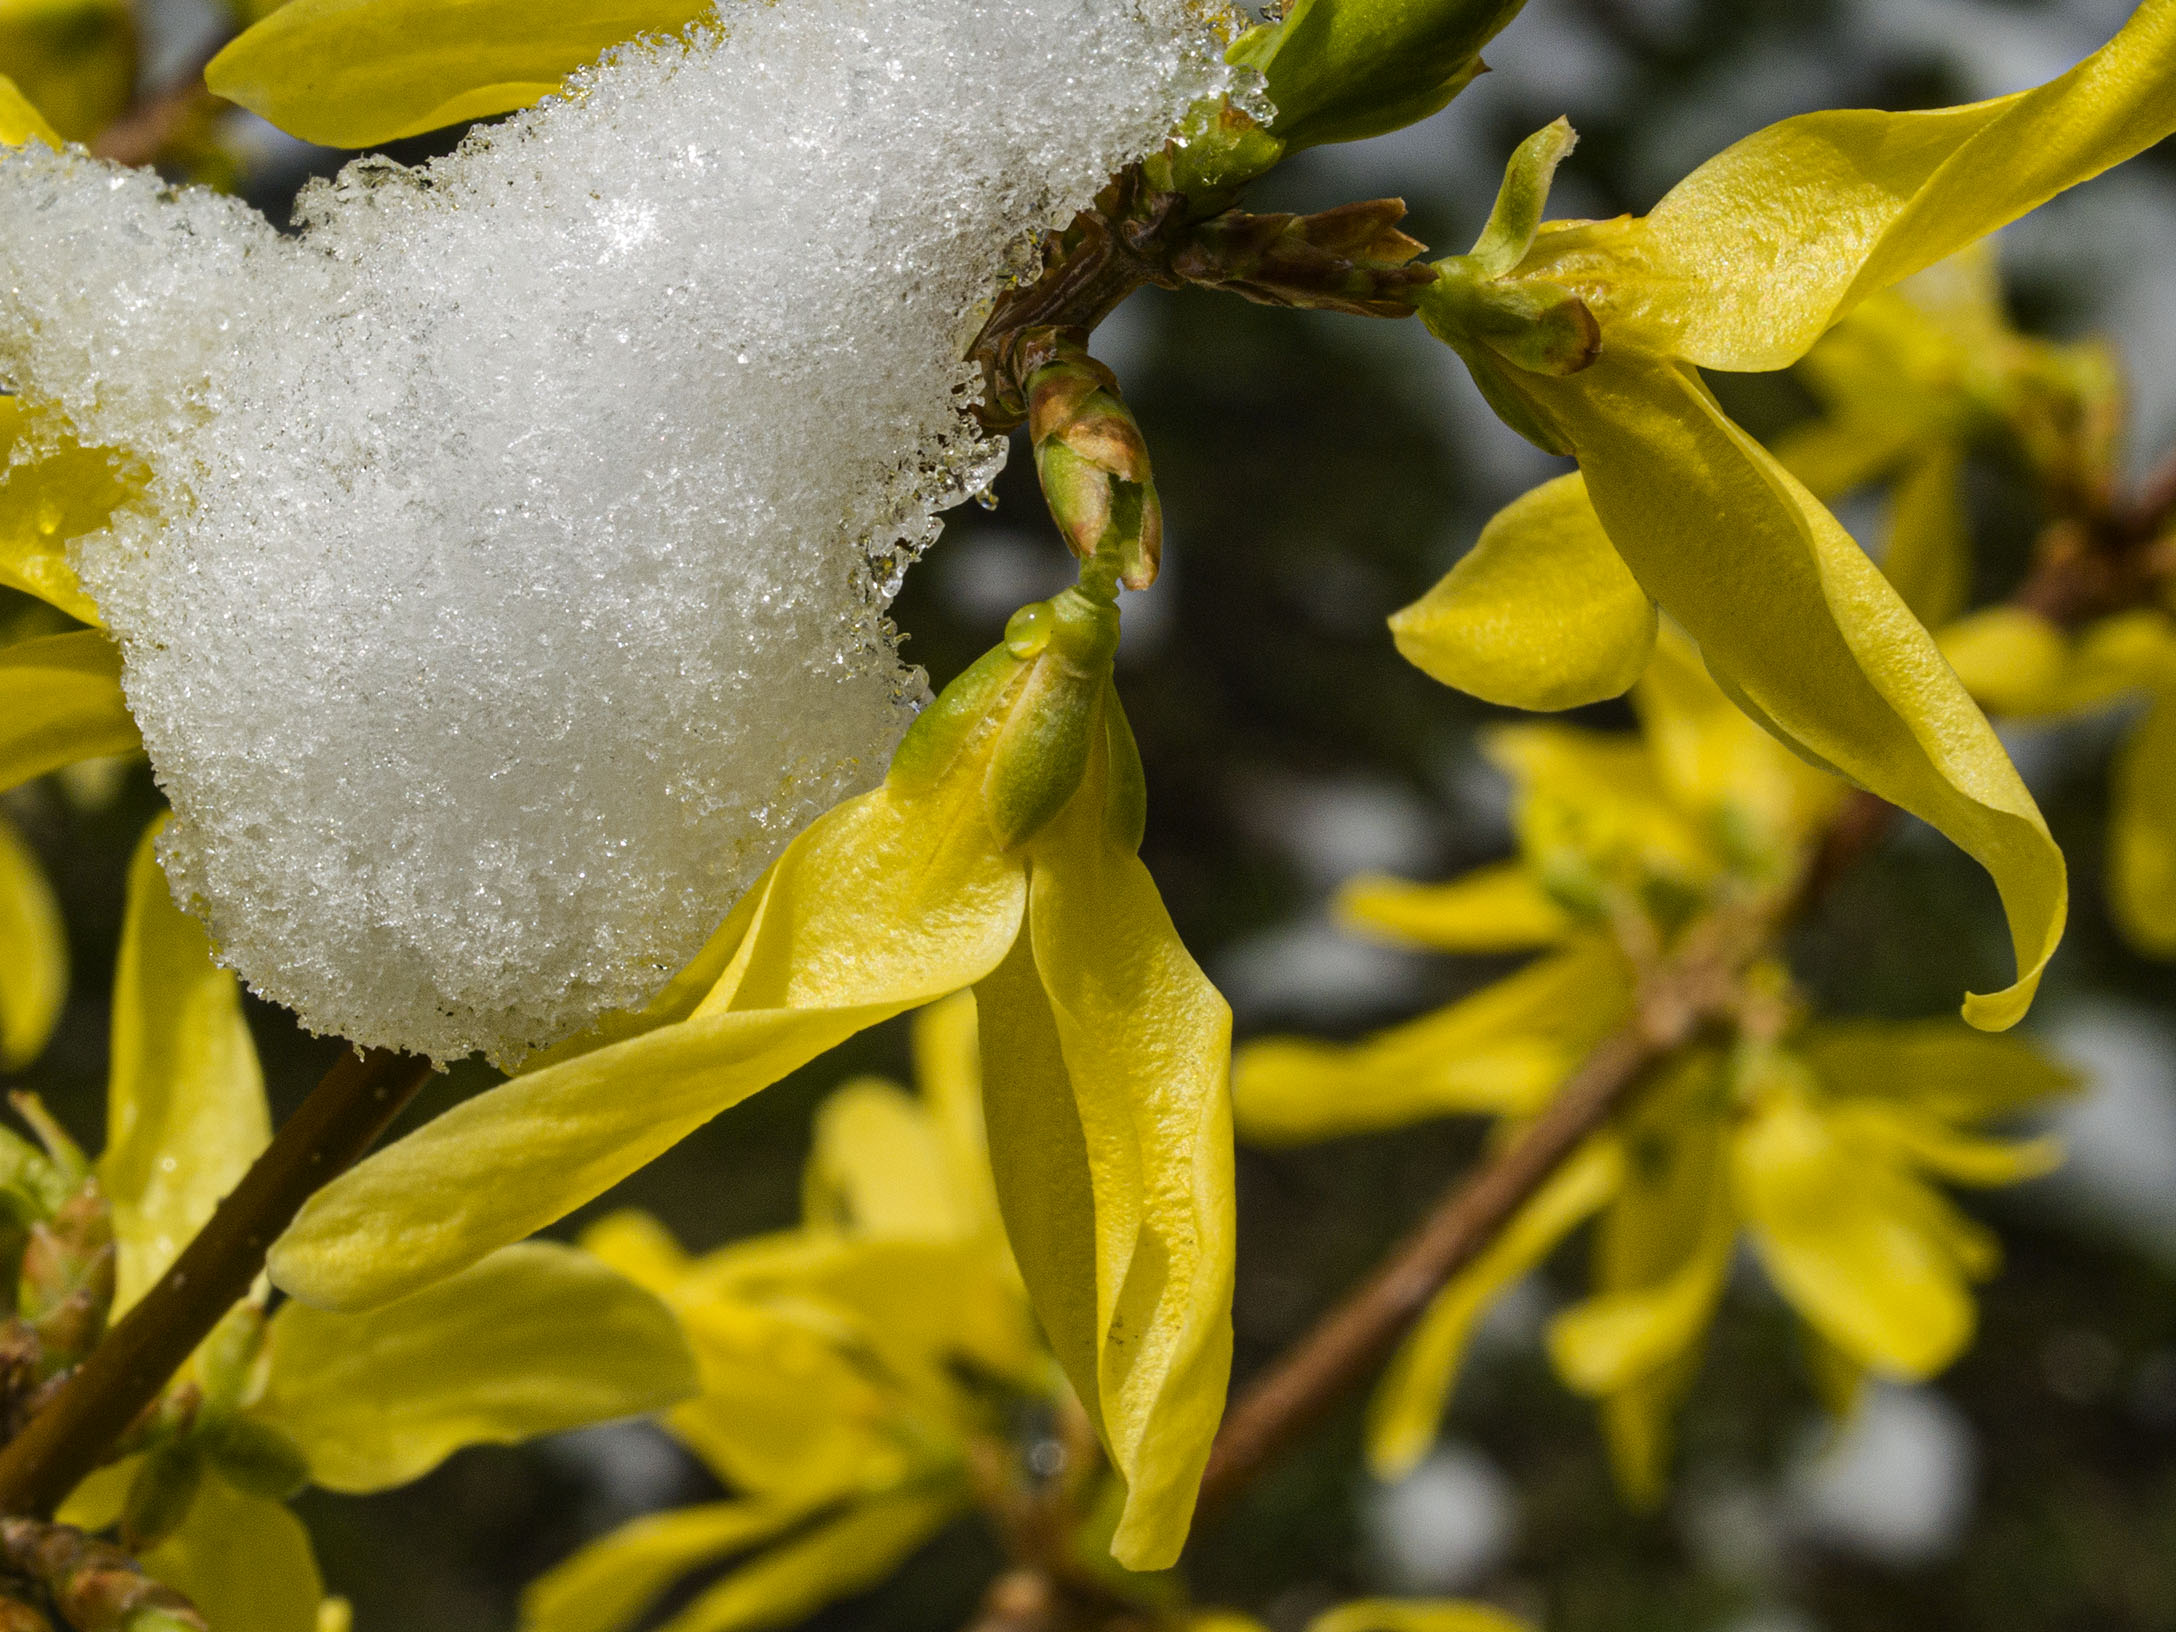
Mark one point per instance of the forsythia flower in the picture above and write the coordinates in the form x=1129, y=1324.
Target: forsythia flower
x=997, y=855
x=1817, y=1147
x=856, y=1372
x=533, y=1339
x=1588, y=337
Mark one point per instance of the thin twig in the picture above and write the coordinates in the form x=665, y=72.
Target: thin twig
x=341, y=1119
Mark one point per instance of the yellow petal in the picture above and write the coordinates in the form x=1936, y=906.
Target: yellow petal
x=948, y=1070
x=1541, y=612
x=20, y=122
x=1850, y=1241
x=885, y=903
x=1408, y=1403
x=834, y=1559
x=360, y=73
x=1803, y=630
x=1134, y=1043
x=2014, y=661
x=1415, y=1615
x=641, y=1249
x=608, y=1584
x=535, y=1339
x=1662, y=1251
x=185, y=1106
x=879, y=1166
x=1750, y=258
x=1757, y=794
x=243, y=1560
x=63, y=702
x=1961, y=1076
x=1493, y=909
x=1504, y=1050
x=2142, y=833
x=1929, y=554
x=51, y=494
x=1591, y=803
x=33, y=953
x=1933, y=1146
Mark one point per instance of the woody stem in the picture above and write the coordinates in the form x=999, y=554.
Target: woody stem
x=341, y=1119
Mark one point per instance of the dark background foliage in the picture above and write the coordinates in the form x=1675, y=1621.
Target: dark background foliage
x=1319, y=472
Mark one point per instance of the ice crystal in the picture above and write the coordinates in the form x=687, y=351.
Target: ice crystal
x=511, y=582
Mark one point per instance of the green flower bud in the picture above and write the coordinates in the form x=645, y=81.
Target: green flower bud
x=65, y=1288
x=1342, y=70
x=254, y=1456
x=1091, y=457
x=161, y=1494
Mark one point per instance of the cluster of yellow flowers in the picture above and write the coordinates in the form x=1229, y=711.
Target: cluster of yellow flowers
x=1046, y=1235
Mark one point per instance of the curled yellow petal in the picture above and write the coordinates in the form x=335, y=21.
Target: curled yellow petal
x=63, y=702
x=1408, y=1403
x=185, y=1106
x=1748, y=260
x=1503, y=1050
x=2142, y=833
x=1106, y=1077
x=33, y=953
x=1540, y=614
x=885, y=903
x=1492, y=909
x=535, y=1339
x=359, y=73
x=1804, y=631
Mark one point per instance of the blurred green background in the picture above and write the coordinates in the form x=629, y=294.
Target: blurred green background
x=1318, y=473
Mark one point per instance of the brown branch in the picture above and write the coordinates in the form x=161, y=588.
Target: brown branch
x=1693, y=987
x=341, y=1119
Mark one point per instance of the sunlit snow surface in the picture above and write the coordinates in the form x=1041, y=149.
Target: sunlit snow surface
x=512, y=580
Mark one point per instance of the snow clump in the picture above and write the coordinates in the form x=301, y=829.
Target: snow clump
x=511, y=583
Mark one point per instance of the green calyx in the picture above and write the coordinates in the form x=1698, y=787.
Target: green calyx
x=1029, y=710
x=1343, y=70
x=1503, y=325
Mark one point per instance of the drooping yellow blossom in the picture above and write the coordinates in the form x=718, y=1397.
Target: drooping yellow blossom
x=999, y=854
x=856, y=1372
x=1816, y=1147
x=1588, y=337
x=533, y=1339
